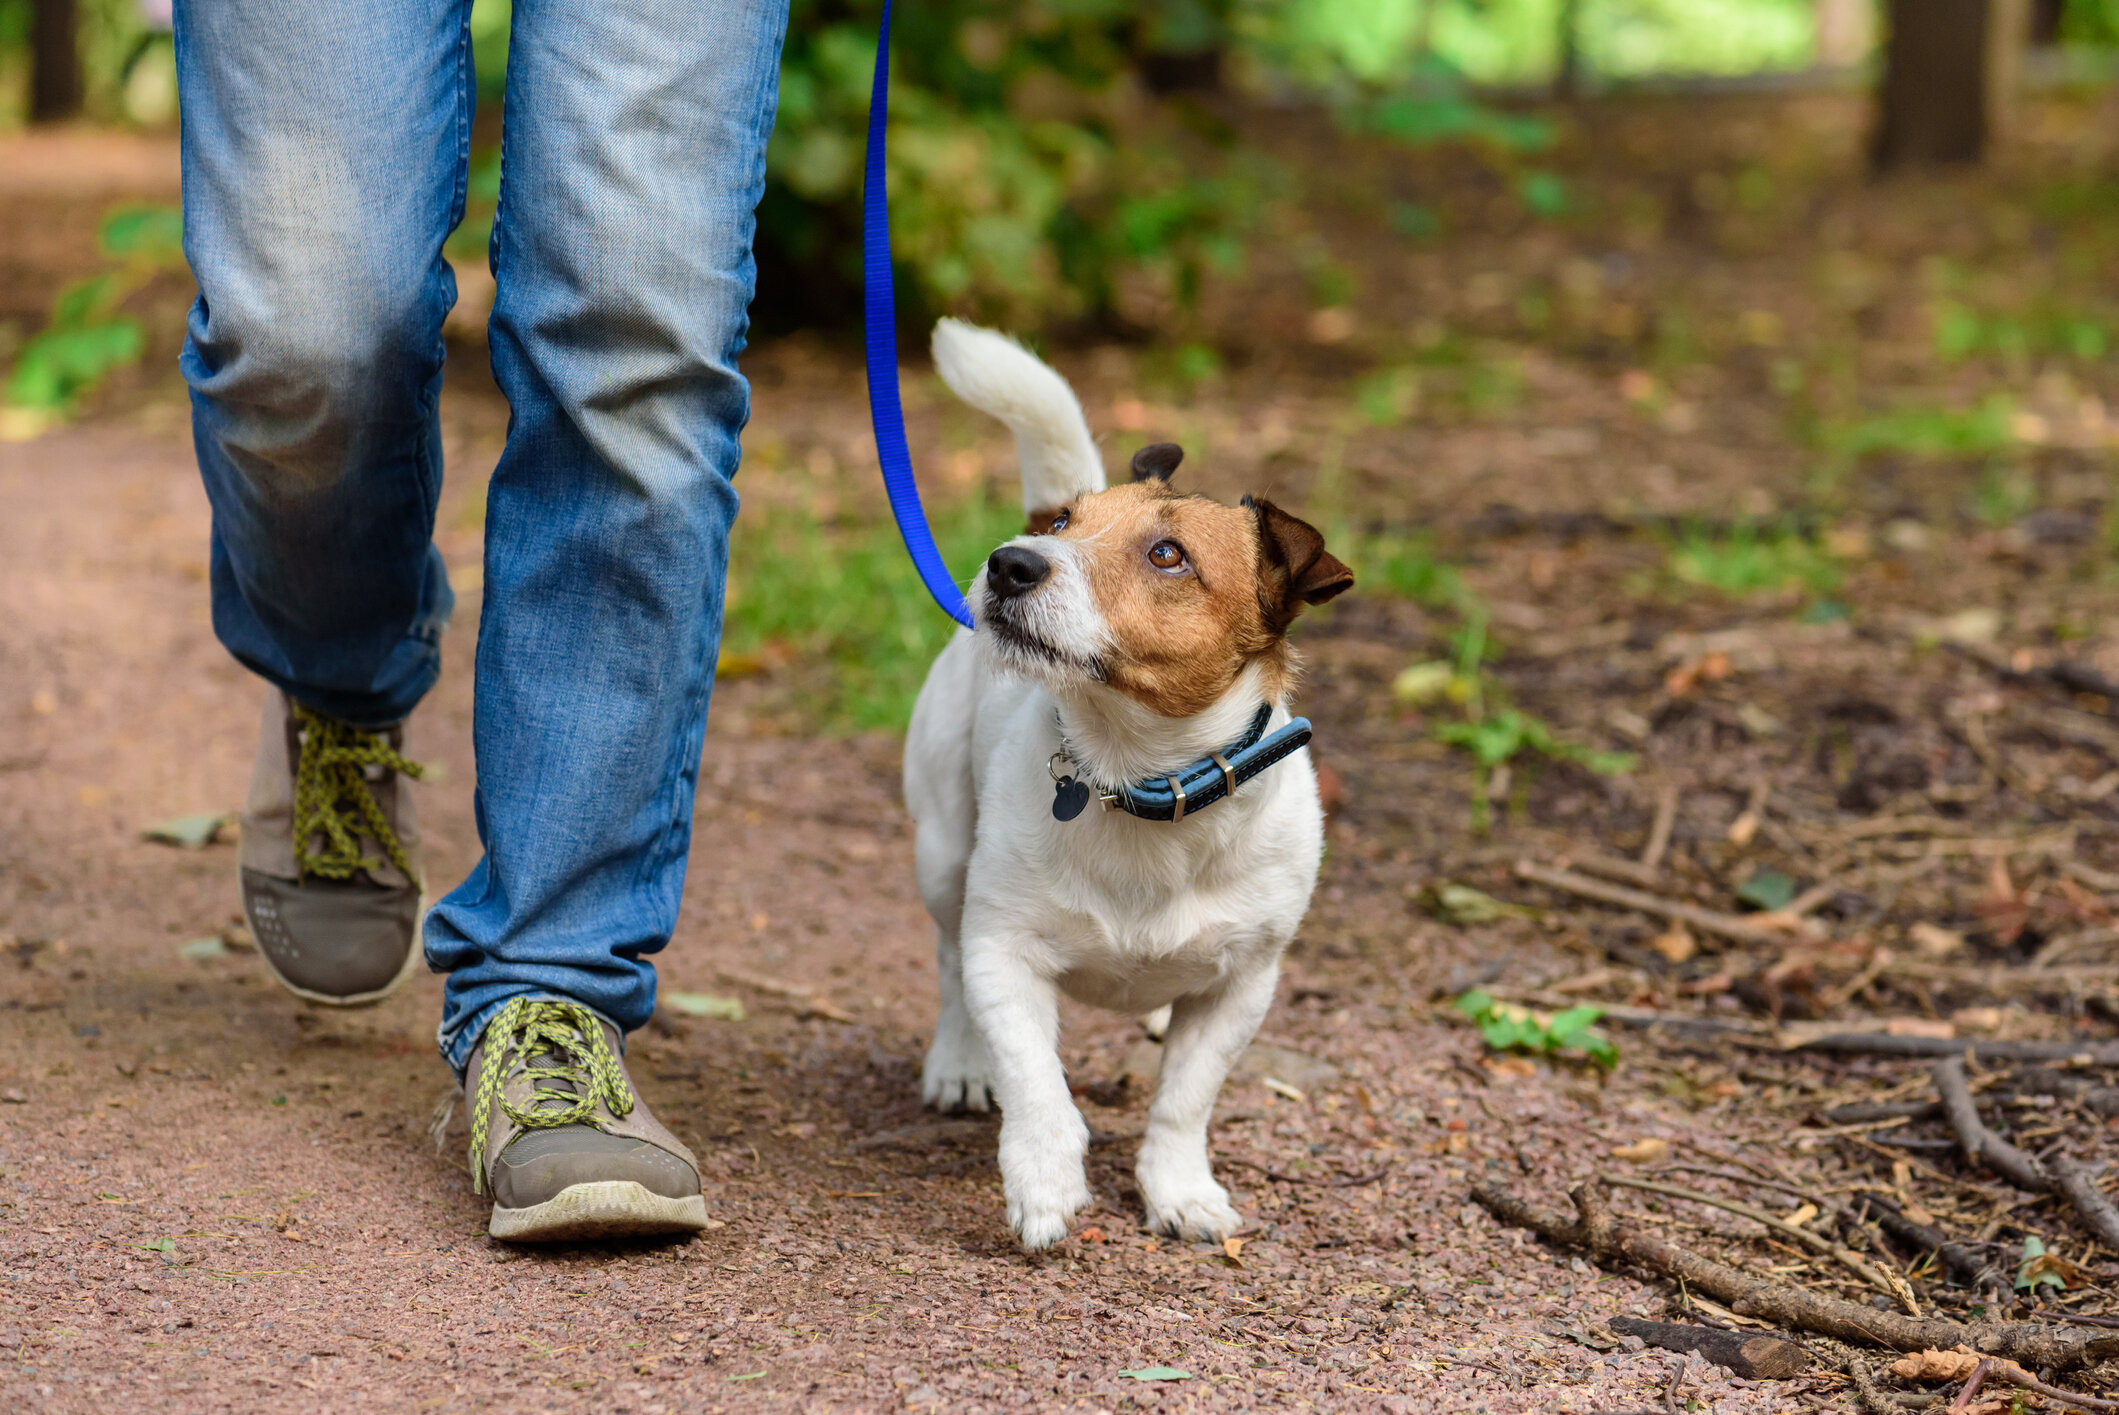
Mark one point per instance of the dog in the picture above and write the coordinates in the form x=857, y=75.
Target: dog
x=1111, y=798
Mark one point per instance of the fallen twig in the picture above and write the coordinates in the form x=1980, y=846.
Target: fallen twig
x=1980, y=1144
x=1959, y=1262
x=1666, y=814
x=2079, y=1089
x=1794, y=1308
x=1755, y=1357
x=2057, y=1175
x=1631, y=871
x=2075, y=1185
x=1972, y=1384
x=1816, y=1242
x=1759, y=928
x=1889, y=1044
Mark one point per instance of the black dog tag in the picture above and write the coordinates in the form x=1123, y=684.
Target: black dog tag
x=1069, y=798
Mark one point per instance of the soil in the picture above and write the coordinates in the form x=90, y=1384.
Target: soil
x=214, y=1197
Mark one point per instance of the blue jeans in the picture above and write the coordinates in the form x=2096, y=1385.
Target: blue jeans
x=325, y=146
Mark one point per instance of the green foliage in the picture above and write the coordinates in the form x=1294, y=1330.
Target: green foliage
x=1748, y=559
x=88, y=336
x=1406, y=567
x=1498, y=735
x=2090, y=23
x=1927, y=431
x=843, y=603
x=1507, y=1027
x=1962, y=332
x=1767, y=889
x=1543, y=194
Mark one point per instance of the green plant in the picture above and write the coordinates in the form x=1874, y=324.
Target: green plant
x=839, y=605
x=88, y=335
x=1496, y=734
x=1926, y=431
x=1405, y=566
x=1508, y=1027
x=1747, y=559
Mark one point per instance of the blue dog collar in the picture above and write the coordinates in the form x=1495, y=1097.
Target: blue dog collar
x=1192, y=789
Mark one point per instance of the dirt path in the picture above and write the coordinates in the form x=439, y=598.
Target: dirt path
x=321, y=1248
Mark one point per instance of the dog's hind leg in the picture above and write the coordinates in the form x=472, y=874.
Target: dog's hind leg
x=1207, y=1033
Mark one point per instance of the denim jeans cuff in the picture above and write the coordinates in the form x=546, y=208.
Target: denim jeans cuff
x=457, y=1046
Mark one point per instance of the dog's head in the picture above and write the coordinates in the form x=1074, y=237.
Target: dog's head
x=1162, y=596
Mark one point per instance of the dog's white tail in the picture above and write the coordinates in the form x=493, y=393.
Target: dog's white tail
x=996, y=375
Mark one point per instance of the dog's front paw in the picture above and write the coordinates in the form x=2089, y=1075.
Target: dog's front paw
x=1191, y=1207
x=1042, y=1154
x=1038, y=1211
x=955, y=1076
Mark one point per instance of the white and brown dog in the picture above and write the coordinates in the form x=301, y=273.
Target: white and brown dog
x=1131, y=646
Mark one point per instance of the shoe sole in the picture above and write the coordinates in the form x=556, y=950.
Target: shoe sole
x=417, y=951
x=606, y=1208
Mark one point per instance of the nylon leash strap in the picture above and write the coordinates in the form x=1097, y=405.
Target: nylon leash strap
x=880, y=334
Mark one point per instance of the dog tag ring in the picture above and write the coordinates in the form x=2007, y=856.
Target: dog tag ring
x=1069, y=798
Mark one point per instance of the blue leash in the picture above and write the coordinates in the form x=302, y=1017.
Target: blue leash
x=879, y=315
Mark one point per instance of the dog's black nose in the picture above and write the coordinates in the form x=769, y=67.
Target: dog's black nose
x=1013, y=570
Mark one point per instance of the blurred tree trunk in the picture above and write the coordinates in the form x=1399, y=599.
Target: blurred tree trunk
x=1567, y=79
x=1950, y=75
x=55, y=89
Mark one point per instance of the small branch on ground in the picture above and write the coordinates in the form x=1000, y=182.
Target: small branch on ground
x=1795, y=1308
x=1816, y=1242
x=1980, y=1144
x=1666, y=815
x=2072, y=1181
x=1874, y=1398
x=1959, y=1262
x=1755, y=1357
x=1761, y=928
x=1972, y=1385
x=1887, y=1044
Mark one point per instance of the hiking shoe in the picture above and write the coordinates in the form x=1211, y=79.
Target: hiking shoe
x=560, y=1140
x=330, y=856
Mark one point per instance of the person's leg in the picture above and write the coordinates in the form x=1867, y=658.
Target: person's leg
x=632, y=160
x=324, y=149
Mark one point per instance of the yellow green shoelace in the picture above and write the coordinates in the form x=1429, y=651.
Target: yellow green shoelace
x=569, y=1045
x=333, y=805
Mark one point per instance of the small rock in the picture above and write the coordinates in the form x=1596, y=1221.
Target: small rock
x=1296, y=1068
x=13, y=1097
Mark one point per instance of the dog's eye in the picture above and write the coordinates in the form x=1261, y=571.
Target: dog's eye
x=1167, y=555
x=1059, y=522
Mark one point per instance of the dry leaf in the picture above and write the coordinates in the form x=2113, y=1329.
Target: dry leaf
x=1646, y=1151
x=1520, y=1068
x=1232, y=1249
x=1677, y=945
x=1976, y=1019
x=1935, y=1365
x=1935, y=941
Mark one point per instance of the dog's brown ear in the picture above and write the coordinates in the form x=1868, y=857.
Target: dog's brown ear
x=1294, y=568
x=1156, y=461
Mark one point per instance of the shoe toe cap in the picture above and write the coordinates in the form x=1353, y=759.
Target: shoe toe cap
x=538, y=1164
x=332, y=938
